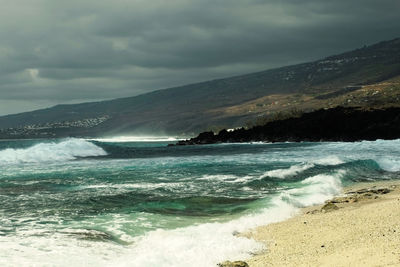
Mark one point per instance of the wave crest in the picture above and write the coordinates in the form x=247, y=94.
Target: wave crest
x=315, y=190
x=283, y=173
x=66, y=150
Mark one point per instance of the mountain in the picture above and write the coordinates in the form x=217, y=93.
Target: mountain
x=366, y=77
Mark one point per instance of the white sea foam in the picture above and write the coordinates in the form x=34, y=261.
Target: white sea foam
x=385, y=152
x=205, y=244
x=66, y=150
x=299, y=168
x=226, y=178
x=208, y=244
x=197, y=245
x=124, y=139
x=218, y=177
x=283, y=173
x=316, y=189
x=329, y=161
x=389, y=164
x=134, y=186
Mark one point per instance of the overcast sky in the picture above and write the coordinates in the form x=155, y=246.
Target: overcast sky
x=56, y=51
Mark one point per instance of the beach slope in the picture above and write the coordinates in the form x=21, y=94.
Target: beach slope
x=361, y=228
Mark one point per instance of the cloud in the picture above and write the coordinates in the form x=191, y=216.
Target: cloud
x=69, y=51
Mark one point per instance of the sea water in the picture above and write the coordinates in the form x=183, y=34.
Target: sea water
x=125, y=202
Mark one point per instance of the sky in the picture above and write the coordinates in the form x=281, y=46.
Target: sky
x=56, y=51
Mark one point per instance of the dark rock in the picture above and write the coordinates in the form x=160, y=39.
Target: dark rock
x=381, y=191
x=95, y=235
x=92, y=235
x=361, y=191
x=367, y=193
x=206, y=137
x=313, y=212
x=351, y=198
x=233, y=264
x=336, y=124
x=329, y=207
x=236, y=233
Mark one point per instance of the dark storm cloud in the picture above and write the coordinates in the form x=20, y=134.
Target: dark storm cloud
x=71, y=51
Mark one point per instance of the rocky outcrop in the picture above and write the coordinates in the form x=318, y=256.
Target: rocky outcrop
x=336, y=124
x=233, y=264
x=329, y=207
x=365, y=194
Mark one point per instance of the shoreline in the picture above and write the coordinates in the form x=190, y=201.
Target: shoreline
x=339, y=124
x=360, y=228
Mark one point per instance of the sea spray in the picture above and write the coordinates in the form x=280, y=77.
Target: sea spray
x=65, y=150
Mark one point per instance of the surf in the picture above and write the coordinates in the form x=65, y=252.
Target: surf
x=55, y=151
x=166, y=206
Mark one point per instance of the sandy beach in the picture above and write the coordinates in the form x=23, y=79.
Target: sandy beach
x=360, y=228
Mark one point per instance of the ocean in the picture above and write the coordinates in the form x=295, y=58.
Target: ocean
x=139, y=202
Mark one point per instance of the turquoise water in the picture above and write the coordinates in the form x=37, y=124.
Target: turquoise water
x=75, y=202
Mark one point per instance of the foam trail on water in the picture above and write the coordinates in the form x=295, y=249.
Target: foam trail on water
x=66, y=150
x=329, y=161
x=123, y=139
x=226, y=178
x=296, y=169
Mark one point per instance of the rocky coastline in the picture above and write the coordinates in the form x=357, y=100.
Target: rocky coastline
x=336, y=124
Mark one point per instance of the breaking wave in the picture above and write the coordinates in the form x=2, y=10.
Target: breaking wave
x=200, y=245
x=283, y=173
x=66, y=150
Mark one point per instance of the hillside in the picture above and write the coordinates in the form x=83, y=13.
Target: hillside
x=368, y=77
